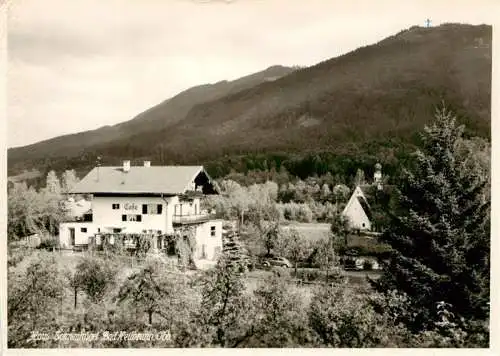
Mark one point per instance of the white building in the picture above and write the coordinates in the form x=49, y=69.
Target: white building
x=357, y=211
x=159, y=200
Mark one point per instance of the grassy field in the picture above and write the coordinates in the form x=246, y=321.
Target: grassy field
x=311, y=231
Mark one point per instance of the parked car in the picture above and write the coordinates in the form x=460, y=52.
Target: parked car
x=277, y=261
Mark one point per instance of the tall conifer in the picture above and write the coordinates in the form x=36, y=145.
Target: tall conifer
x=440, y=233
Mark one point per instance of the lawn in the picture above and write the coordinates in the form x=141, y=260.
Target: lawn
x=311, y=231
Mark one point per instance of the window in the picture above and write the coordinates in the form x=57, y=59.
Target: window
x=116, y=206
x=212, y=230
x=151, y=208
x=83, y=229
x=115, y=231
x=159, y=240
x=131, y=217
x=177, y=209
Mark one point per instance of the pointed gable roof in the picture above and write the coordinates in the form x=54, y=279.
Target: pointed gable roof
x=139, y=179
x=372, y=199
x=361, y=198
x=366, y=207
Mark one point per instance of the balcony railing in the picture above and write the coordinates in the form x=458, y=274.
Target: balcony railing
x=192, y=219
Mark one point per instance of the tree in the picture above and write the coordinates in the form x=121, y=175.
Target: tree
x=296, y=247
x=341, y=193
x=144, y=290
x=440, y=230
x=94, y=276
x=238, y=197
x=34, y=300
x=324, y=255
x=281, y=316
x=18, y=200
x=271, y=234
x=225, y=309
x=340, y=227
x=343, y=318
x=325, y=192
x=53, y=185
x=53, y=208
x=69, y=181
x=359, y=179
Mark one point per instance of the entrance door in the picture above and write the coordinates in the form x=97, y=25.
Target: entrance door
x=72, y=236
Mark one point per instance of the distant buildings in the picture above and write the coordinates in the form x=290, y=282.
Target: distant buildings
x=358, y=209
x=158, y=201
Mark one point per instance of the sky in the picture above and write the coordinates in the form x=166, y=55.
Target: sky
x=76, y=65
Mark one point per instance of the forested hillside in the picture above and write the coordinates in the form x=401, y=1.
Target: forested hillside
x=336, y=116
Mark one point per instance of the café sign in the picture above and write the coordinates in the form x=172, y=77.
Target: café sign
x=130, y=206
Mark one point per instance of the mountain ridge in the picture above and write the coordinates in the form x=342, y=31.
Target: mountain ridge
x=384, y=92
x=177, y=105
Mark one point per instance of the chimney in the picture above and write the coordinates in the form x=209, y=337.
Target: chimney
x=147, y=163
x=126, y=166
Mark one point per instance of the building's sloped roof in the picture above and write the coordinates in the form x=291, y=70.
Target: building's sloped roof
x=139, y=179
x=365, y=206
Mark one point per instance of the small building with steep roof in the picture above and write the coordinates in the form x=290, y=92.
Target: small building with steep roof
x=357, y=211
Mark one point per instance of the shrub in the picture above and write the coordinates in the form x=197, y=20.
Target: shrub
x=343, y=318
x=48, y=244
x=305, y=214
x=312, y=275
x=367, y=265
x=374, y=250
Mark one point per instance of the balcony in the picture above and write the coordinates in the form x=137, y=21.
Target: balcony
x=192, y=219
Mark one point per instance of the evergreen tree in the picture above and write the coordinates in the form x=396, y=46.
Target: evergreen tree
x=440, y=231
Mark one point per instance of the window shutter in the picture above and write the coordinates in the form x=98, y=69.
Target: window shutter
x=139, y=217
x=124, y=217
x=144, y=208
x=159, y=208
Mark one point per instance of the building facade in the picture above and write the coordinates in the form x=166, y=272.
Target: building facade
x=357, y=211
x=163, y=201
